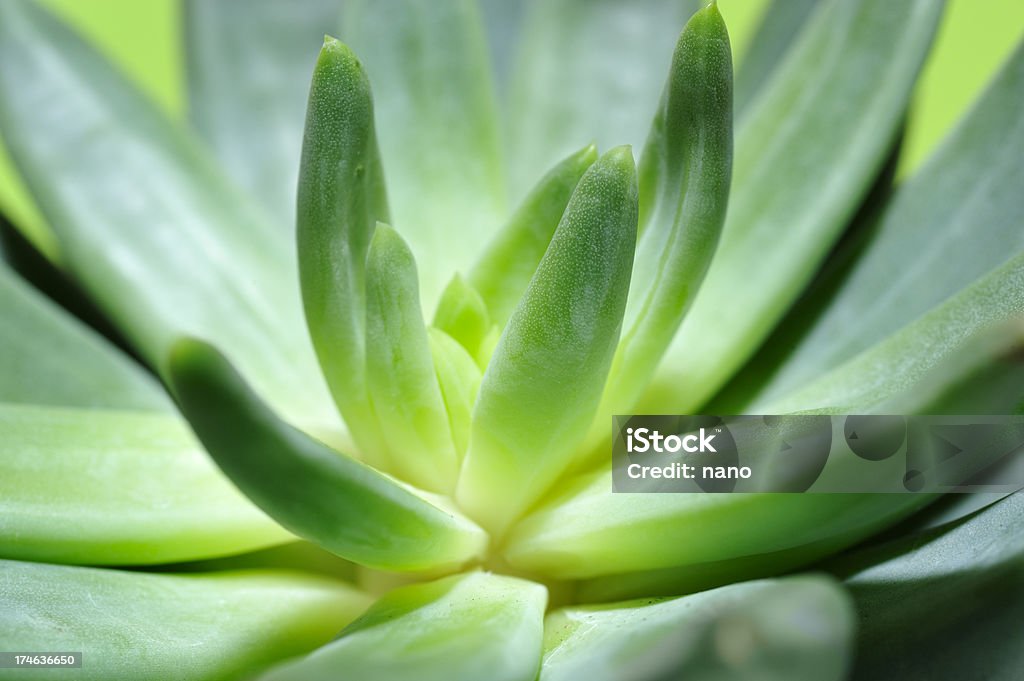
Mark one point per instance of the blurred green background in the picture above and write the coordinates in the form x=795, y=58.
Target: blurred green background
x=144, y=36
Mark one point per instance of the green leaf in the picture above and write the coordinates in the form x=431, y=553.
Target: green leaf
x=462, y=314
x=347, y=507
x=684, y=188
x=891, y=367
x=786, y=630
x=403, y=384
x=145, y=627
x=146, y=225
x=437, y=117
x=248, y=67
x=505, y=268
x=586, y=70
x=463, y=628
x=459, y=378
x=340, y=198
x=49, y=358
x=957, y=219
x=587, y=531
x=960, y=584
x=116, y=487
x=805, y=157
x=779, y=28
x=543, y=383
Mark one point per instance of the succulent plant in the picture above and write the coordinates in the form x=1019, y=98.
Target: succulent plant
x=231, y=445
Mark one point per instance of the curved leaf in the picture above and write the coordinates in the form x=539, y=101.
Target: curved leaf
x=131, y=626
x=248, y=63
x=780, y=25
x=542, y=385
x=506, y=266
x=112, y=487
x=462, y=314
x=146, y=225
x=340, y=198
x=438, y=129
x=684, y=188
x=913, y=592
x=588, y=531
x=459, y=378
x=586, y=70
x=463, y=628
x=805, y=157
x=47, y=357
x=787, y=630
x=889, y=368
x=958, y=218
x=319, y=494
x=403, y=383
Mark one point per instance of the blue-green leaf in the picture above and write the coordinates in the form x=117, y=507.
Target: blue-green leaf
x=116, y=487
x=131, y=626
x=957, y=219
x=780, y=25
x=47, y=357
x=146, y=225
x=587, y=70
x=958, y=584
x=798, y=629
x=805, y=157
x=463, y=628
x=248, y=67
x=437, y=122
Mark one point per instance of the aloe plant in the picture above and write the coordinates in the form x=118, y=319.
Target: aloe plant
x=233, y=446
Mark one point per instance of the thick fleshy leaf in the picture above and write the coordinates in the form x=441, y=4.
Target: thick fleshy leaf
x=131, y=626
x=503, y=272
x=891, y=367
x=46, y=357
x=962, y=584
x=319, y=494
x=438, y=128
x=958, y=218
x=459, y=378
x=684, y=188
x=543, y=383
x=403, y=383
x=116, y=487
x=248, y=70
x=462, y=628
x=462, y=314
x=798, y=629
x=805, y=157
x=780, y=25
x=589, y=530
x=587, y=70
x=158, y=238
x=93, y=465
x=340, y=198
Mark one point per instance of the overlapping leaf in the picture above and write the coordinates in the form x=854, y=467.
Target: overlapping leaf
x=142, y=627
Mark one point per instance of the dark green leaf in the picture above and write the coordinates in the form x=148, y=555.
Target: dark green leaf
x=321, y=495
